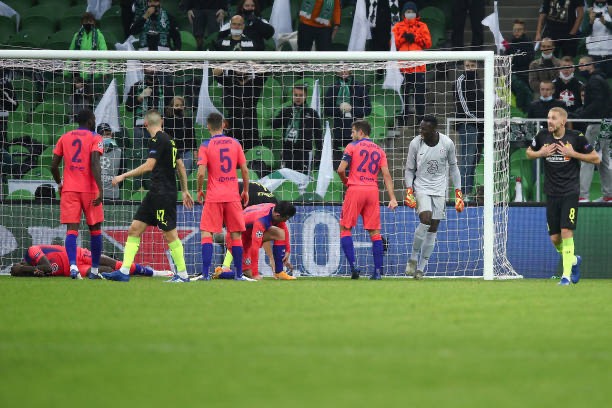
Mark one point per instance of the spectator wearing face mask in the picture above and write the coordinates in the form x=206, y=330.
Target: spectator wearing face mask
x=411, y=34
x=567, y=86
x=599, y=42
x=156, y=29
x=234, y=39
x=560, y=20
x=539, y=69
x=539, y=109
x=111, y=161
x=88, y=38
x=255, y=27
x=180, y=128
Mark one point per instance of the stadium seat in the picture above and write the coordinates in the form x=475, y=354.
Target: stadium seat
x=188, y=41
x=138, y=195
x=46, y=157
x=60, y=40
x=334, y=193
x=446, y=6
x=19, y=153
x=28, y=39
x=7, y=29
x=20, y=6
x=37, y=131
x=38, y=173
x=70, y=23
x=263, y=154
x=288, y=191
x=21, y=195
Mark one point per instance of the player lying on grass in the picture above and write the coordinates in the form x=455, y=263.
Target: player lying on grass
x=264, y=222
x=52, y=260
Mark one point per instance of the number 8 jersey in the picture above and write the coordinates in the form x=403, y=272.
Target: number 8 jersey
x=221, y=155
x=365, y=160
x=76, y=147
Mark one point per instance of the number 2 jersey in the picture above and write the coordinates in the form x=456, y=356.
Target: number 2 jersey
x=221, y=155
x=365, y=159
x=561, y=174
x=76, y=147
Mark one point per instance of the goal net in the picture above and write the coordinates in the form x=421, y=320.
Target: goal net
x=293, y=116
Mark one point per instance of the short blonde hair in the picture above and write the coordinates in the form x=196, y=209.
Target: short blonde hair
x=153, y=118
x=560, y=111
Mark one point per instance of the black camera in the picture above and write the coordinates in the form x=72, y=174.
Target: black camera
x=598, y=14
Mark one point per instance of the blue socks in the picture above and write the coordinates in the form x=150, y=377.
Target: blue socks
x=71, y=246
x=237, y=254
x=349, y=249
x=278, y=251
x=377, y=252
x=207, y=252
x=96, y=248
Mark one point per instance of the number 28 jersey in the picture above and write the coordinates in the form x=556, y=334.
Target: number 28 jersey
x=365, y=159
x=76, y=147
x=221, y=155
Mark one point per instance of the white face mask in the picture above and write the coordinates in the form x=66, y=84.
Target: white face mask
x=564, y=77
x=547, y=56
x=546, y=99
x=410, y=16
x=236, y=32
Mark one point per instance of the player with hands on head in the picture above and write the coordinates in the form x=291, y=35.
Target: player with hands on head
x=81, y=190
x=364, y=159
x=220, y=156
x=52, y=260
x=264, y=223
x=159, y=205
x=562, y=150
x=430, y=157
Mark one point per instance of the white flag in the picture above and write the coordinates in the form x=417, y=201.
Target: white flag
x=7, y=11
x=205, y=105
x=326, y=167
x=393, y=76
x=360, y=32
x=280, y=18
x=107, y=110
x=315, y=100
x=98, y=7
x=492, y=21
x=134, y=69
x=275, y=179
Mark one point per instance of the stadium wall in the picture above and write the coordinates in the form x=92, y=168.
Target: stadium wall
x=315, y=245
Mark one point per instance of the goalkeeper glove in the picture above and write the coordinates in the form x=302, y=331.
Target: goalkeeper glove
x=410, y=201
x=459, y=204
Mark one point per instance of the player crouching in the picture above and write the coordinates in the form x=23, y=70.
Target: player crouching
x=264, y=223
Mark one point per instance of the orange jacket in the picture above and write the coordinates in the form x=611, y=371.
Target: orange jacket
x=335, y=19
x=422, y=39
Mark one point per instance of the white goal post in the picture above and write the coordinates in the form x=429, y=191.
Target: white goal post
x=494, y=206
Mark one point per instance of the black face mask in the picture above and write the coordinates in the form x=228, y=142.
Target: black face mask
x=179, y=113
x=88, y=27
x=470, y=75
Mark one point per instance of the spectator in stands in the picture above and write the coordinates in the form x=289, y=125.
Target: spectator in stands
x=469, y=102
x=599, y=42
x=319, y=22
x=411, y=34
x=128, y=12
x=301, y=132
x=540, y=69
x=539, y=109
x=560, y=20
x=346, y=101
x=241, y=93
x=111, y=161
x=8, y=104
x=180, y=128
x=154, y=92
x=156, y=29
x=82, y=97
x=382, y=15
x=476, y=9
x=567, y=86
x=522, y=48
x=205, y=16
x=87, y=38
x=596, y=106
x=255, y=27
x=234, y=39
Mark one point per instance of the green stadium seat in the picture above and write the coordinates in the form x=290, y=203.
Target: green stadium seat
x=188, y=41
x=138, y=195
x=253, y=176
x=446, y=6
x=60, y=40
x=36, y=131
x=28, y=39
x=21, y=195
x=262, y=153
x=7, y=29
x=288, y=191
x=44, y=160
x=70, y=23
x=20, y=6
x=38, y=173
x=432, y=14
x=42, y=24
x=334, y=193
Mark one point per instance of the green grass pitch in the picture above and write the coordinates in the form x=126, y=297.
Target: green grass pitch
x=308, y=343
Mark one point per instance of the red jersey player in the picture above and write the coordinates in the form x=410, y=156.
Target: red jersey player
x=52, y=260
x=365, y=159
x=265, y=222
x=81, y=189
x=220, y=156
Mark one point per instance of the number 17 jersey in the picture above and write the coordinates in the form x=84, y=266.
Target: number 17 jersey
x=365, y=160
x=221, y=155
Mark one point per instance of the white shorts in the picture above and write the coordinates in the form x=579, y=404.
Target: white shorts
x=435, y=204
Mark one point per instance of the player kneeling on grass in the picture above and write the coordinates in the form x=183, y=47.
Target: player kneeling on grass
x=264, y=222
x=364, y=160
x=430, y=156
x=52, y=260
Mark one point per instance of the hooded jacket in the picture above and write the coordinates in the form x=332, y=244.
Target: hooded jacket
x=422, y=39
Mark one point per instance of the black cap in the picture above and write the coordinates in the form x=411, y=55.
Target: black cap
x=103, y=127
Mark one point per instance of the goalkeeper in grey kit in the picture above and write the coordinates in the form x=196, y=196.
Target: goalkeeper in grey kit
x=430, y=157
